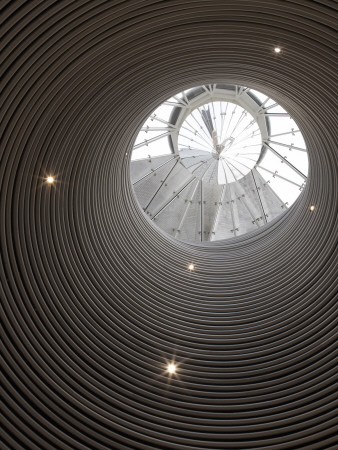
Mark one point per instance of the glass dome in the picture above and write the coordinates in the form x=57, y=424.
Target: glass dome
x=217, y=161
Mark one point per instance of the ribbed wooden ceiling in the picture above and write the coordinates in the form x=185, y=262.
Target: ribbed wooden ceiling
x=95, y=300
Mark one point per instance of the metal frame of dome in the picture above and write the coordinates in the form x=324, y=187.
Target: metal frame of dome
x=237, y=95
x=196, y=193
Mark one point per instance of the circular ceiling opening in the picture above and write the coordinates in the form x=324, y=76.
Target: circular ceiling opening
x=217, y=161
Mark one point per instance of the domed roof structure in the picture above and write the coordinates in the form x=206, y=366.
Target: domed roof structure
x=207, y=165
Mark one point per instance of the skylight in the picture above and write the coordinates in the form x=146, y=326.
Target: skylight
x=217, y=161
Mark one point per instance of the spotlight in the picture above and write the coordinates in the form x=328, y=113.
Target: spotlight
x=171, y=368
x=312, y=207
x=278, y=49
x=191, y=267
x=50, y=180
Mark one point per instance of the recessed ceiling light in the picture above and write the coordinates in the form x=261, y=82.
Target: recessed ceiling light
x=50, y=180
x=171, y=368
x=312, y=207
x=278, y=49
x=191, y=267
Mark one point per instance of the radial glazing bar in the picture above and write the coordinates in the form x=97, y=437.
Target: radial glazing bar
x=286, y=161
x=148, y=141
x=186, y=209
x=291, y=146
x=172, y=198
x=154, y=170
x=157, y=190
x=260, y=200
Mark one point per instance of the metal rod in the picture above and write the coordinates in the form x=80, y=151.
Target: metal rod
x=179, y=100
x=271, y=106
x=230, y=164
x=276, y=114
x=260, y=200
x=146, y=129
x=265, y=101
x=291, y=146
x=202, y=222
x=186, y=210
x=277, y=197
x=162, y=121
x=279, y=176
x=201, y=127
x=179, y=105
x=286, y=161
x=232, y=213
x=220, y=203
x=172, y=198
x=249, y=211
x=242, y=164
x=192, y=140
x=154, y=170
x=157, y=190
x=148, y=141
x=196, y=133
x=284, y=134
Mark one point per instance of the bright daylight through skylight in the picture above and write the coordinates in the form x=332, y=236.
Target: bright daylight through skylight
x=217, y=161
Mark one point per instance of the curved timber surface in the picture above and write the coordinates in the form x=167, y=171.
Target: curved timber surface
x=96, y=301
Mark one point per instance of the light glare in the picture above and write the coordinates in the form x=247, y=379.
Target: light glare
x=312, y=207
x=50, y=180
x=171, y=368
x=191, y=267
x=278, y=49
